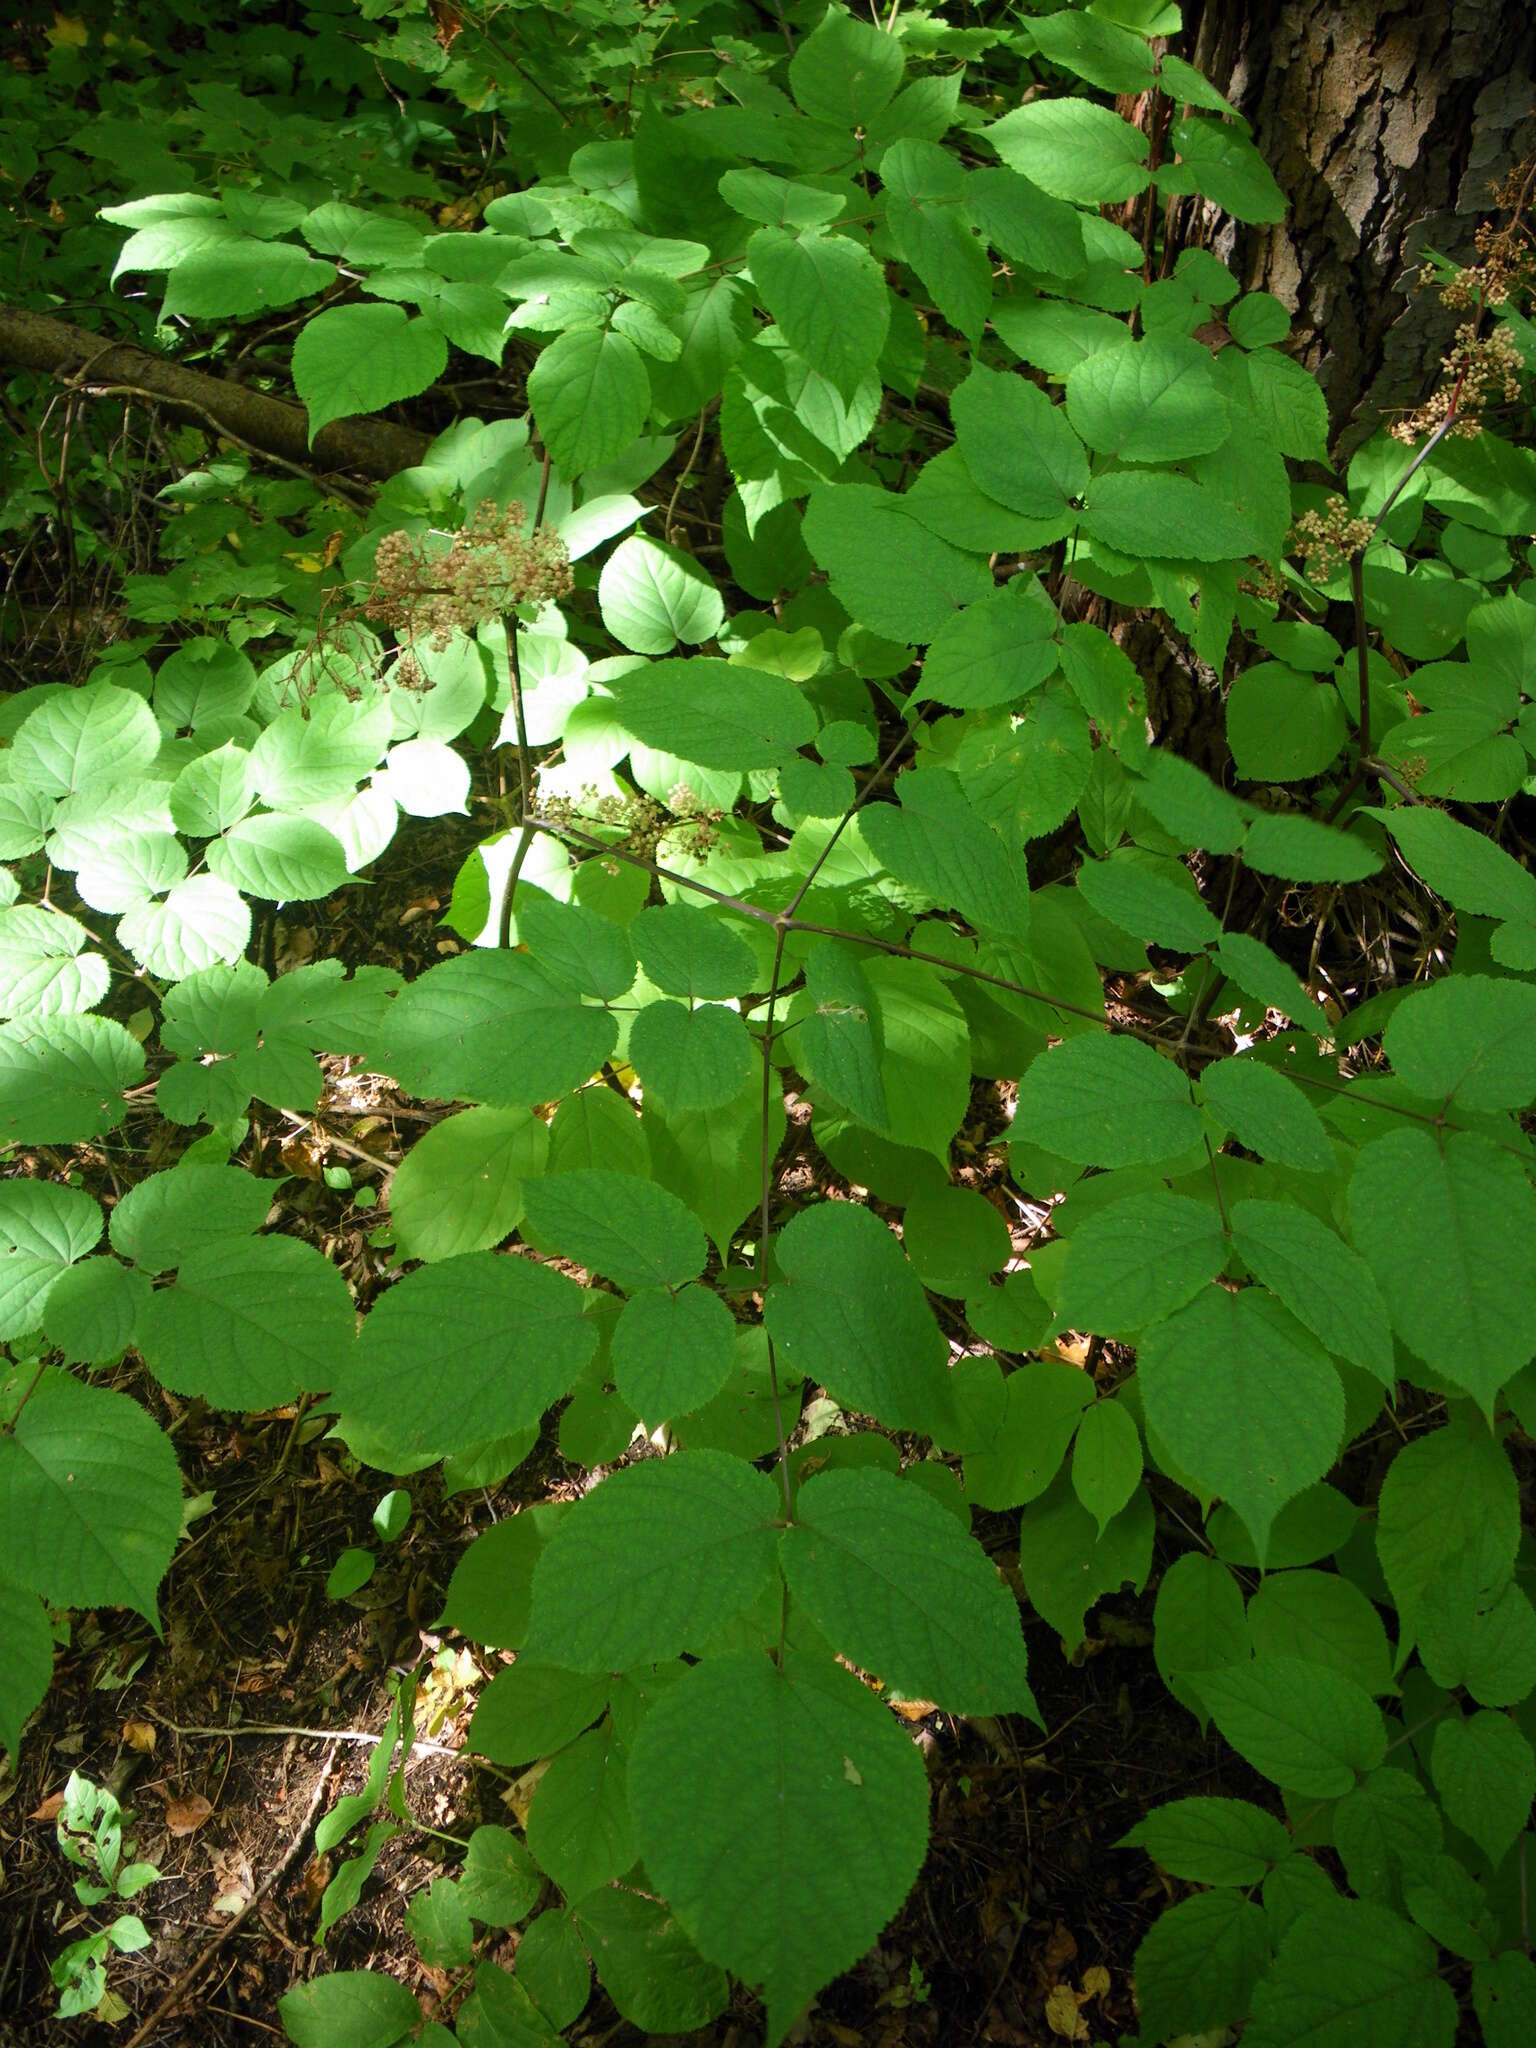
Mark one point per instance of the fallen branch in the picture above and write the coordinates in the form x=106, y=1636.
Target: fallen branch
x=206, y=1955
x=271, y=426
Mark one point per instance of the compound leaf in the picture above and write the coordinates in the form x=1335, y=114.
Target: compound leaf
x=783, y=1814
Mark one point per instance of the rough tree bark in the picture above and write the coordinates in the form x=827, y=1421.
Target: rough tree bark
x=1387, y=127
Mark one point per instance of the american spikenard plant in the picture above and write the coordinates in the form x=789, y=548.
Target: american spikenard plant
x=917, y=330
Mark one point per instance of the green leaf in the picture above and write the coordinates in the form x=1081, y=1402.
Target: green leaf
x=1264, y=976
x=1074, y=150
x=201, y=922
x=90, y=1498
x=845, y=72
x=249, y=1322
x=1267, y=1113
x=938, y=844
x=925, y=1063
x=925, y=211
x=955, y=1239
x=1020, y=448
x=553, y=1969
x=1138, y=1260
x=1469, y=1038
x=94, y=1310
x=895, y=1583
x=1384, y=1819
x=349, y=2009
x=1349, y=1974
x=84, y=739
x=1148, y=401
x=711, y=1159
x=359, y=359
x=1303, y=850
x=1022, y=1452
x=1321, y=1616
x=590, y=396
x=1108, y=56
x=783, y=1814
x=1309, y=1729
x=240, y=278
x=317, y=752
x=713, y=714
x=1198, y=1625
x=689, y=951
x=1067, y=1565
x=1106, y=1461
x=437, y=1920
x=1504, y=1998
x=1198, y=1965
x=653, y=1561
x=279, y=858
x=692, y=1058
x=850, y=1313
x=1445, y=1493
x=1104, y=1101
x=1281, y=726
x=45, y=970
x=349, y=1574
x=532, y=1710
x=169, y=1215
x=837, y=1043
x=426, y=1398
x=44, y=1228
x=1217, y=158
x=650, y=1969
x=634, y=1232
x=460, y=1187
x=1211, y=1841
x=672, y=1351
x=995, y=651
x=1244, y=1400
x=501, y=1883
x=1161, y=514
x=64, y=1083
x=1447, y=1227
x=491, y=1027
x=885, y=568
x=1485, y=1773
x=1463, y=866
x=653, y=595
x=491, y=1590
x=27, y=1669
x=589, y=953
x=828, y=296
x=1150, y=905
x=1322, y=1282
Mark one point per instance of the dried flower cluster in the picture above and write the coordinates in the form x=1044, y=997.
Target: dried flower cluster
x=1479, y=370
x=490, y=565
x=1326, y=539
x=641, y=822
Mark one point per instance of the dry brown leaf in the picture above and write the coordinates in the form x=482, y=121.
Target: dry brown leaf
x=50, y=1808
x=185, y=1814
x=140, y=1735
x=1061, y=1947
x=519, y=1794
x=302, y=1157
x=232, y=1881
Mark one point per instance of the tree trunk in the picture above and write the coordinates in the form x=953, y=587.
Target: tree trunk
x=1387, y=128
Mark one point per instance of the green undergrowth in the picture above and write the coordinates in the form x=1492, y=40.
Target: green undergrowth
x=817, y=417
